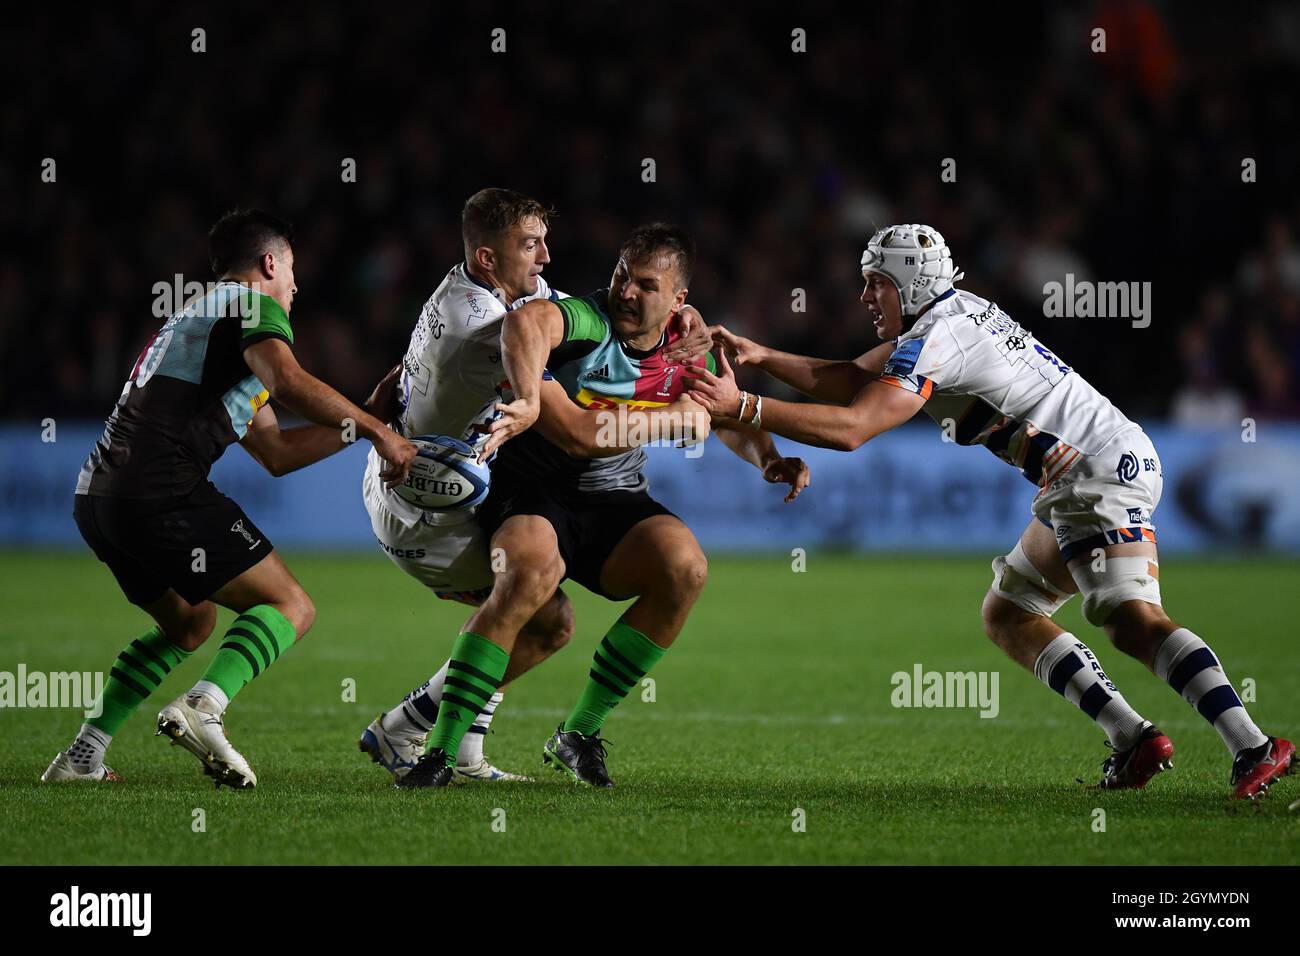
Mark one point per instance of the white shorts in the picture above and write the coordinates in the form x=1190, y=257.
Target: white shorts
x=447, y=553
x=1106, y=498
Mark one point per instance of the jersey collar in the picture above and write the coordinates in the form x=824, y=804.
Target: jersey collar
x=908, y=326
x=492, y=290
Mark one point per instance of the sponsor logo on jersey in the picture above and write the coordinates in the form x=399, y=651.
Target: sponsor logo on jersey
x=1128, y=467
x=402, y=552
x=1139, y=516
x=589, y=399
x=601, y=373
x=903, y=359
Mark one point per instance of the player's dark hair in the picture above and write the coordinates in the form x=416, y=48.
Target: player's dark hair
x=242, y=236
x=490, y=212
x=661, y=239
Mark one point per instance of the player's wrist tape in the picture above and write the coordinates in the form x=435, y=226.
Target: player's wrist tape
x=757, y=420
x=744, y=400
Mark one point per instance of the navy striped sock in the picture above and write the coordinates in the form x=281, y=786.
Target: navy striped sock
x=1187, y=664
x=1072, y=670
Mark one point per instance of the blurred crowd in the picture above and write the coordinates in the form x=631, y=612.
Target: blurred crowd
x=1123, y=165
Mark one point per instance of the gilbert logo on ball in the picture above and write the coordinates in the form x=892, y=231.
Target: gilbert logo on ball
x=446, y=475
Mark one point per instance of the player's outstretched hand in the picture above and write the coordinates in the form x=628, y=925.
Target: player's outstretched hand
x=397, y=454
x=718, y=393
x=789, y=471
x=516, y=418
x=744, y=351
x=385, y=401
x=695, y=340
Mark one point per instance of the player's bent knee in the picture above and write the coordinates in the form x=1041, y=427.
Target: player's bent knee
x=1015, y=580
x=1113, y=582
x=527, y=584
x=299, y=610
x=191, y=632
x=1000, y=616
x=686, y=574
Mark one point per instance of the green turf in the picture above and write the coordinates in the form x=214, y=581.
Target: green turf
x=777, y=697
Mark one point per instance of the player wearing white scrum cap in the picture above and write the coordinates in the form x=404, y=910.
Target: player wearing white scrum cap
x=989, y=381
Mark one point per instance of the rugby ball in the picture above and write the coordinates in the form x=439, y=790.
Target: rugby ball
x=445, y=475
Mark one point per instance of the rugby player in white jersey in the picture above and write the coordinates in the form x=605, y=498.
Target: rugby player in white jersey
x=452, y=379
x=991, y=382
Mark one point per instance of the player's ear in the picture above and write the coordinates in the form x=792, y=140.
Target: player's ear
x=267, y=264
x=486, y=258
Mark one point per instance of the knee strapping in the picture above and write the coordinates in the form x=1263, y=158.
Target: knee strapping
x=1121, y=579
x=1015, y=579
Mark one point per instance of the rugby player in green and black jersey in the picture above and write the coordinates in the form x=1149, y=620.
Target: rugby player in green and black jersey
x=592, y=519
x=176, y=545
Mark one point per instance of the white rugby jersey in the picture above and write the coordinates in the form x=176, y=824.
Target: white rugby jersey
x=998, y=386
x=451, y=373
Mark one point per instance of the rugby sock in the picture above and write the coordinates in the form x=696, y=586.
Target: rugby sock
x=1068, y=667
x=253, y=643
x=473, y=673
x=87, y=751
x=624, y=656
x=471, y=745
x=1187, y=665
x=137, y=673
x=418, y=712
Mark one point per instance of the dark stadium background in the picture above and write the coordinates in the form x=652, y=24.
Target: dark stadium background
x=1123, y=166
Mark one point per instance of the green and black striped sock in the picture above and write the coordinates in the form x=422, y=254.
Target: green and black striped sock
x=624, y=656
x=137, y=673
x=254, y=642
x=473, y=675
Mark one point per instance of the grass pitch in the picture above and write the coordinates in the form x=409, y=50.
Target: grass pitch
x=776, y=699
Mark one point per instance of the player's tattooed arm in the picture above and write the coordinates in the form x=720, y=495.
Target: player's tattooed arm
x=827, y=380
x=605, y=432
x=757, y=447
x=284, y=450
x=272, y=361
x=528, y=334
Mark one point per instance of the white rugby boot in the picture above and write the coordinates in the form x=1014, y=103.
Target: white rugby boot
x=190, y=722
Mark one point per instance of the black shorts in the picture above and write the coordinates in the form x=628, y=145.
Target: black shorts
x=588, y=525
x=193, y=544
